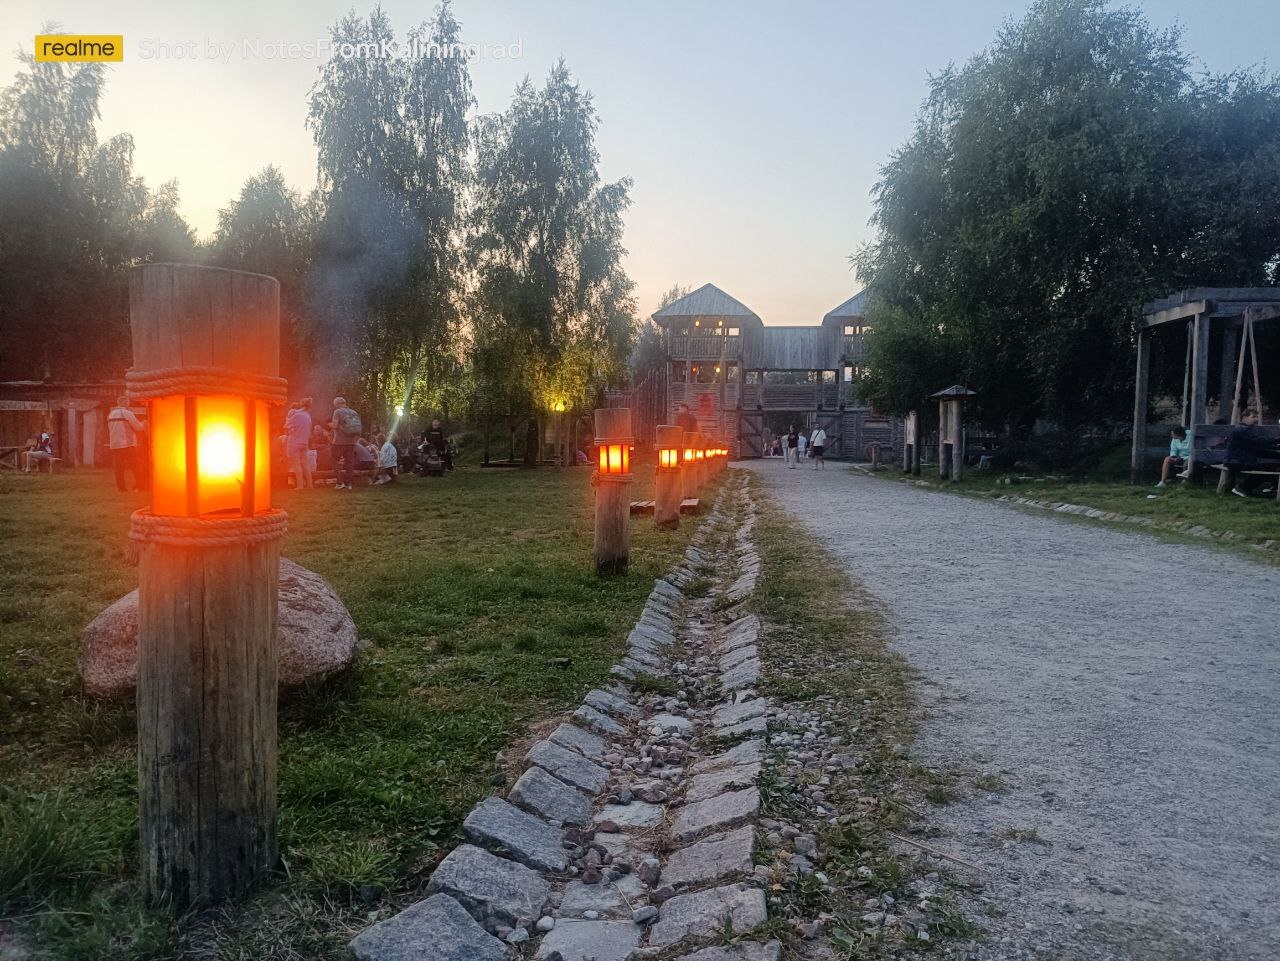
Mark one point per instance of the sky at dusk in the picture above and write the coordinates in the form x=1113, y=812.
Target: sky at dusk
x=753, y=131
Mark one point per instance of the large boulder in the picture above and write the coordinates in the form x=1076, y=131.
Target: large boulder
x=317, y=637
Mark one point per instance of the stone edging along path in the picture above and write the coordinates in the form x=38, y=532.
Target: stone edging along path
x=631, y=833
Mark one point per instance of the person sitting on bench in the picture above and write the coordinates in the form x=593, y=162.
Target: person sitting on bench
x=1242, y=454
x=42, y=450
x=1179, y=451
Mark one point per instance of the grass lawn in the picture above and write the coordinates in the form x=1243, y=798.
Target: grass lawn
x=471, y=590
x=1257, y=518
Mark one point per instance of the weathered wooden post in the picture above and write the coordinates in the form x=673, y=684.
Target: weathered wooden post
x=951, y=430
x=668, y=483
x=206, y=361
x=613, y=490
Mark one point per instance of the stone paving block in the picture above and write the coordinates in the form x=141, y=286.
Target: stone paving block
x=702, y=914
x=744, y=753
x=755, y=725
x=438, y=928
x=540, y=793
x=611, y=900
x=496, y=823
x=714, y=858
x=703, y=786
x=725, y=810
x=589, y=745
x=637, y=814
x=651, y=662
x=672, y=723
x=610, y=704
x=743, y=631
x=569, y=766
x=738, y=711
x=491, y=888
x=598, y=721
x=591, y=940
x=738, y=655
x=741, y=675
x=749, y=951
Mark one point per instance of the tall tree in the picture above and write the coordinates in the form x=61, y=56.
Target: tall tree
x=73, y=218
x=393, y=142
x=554, y=304
x=648, y=354
x=1053, y=183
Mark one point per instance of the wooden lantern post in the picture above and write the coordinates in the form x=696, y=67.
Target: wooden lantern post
x=613, y=490
x=206, y=354
x=668, y=483
x=951, y=430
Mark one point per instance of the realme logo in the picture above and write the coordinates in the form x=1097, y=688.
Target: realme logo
x=69, y=48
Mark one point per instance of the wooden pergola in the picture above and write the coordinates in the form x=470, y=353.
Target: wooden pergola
x=1234, y=310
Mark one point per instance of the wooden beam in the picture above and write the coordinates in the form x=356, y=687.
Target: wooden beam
x=1180, y=312
x=1141, y=380
x=1230, y=341
x=1199, y=379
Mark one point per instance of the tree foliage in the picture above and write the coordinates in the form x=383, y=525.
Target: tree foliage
x=554, y=306
x=1053, y=183
x=73, y=218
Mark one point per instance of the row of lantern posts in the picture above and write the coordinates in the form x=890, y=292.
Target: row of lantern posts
x=686, y=462
x=206, y=361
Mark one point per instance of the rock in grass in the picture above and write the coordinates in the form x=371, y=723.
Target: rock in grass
x=702, y=914
x=438, y=928
x=316, y=637
x=496, y=823
x=491, y=888
x=569, y=766
x=540, y=793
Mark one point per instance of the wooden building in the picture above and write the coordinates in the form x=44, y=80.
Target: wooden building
x=75, y=413
x=742, y=379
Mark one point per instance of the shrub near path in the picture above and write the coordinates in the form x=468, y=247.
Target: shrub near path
x=483, y=613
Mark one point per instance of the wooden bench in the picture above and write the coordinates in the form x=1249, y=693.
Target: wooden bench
x=1225, y=474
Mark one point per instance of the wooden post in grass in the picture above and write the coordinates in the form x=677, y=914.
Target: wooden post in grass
x=613, y=490
x=668, y=484
x=206, y=361
x=951, y=430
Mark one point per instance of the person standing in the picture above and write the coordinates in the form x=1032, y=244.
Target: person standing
x=123, y=428
x=802, y=444
x=439, y=441
x=346, y=429
x=297, y=432
x=790, y=450
x=818, y=441
x=685, y=419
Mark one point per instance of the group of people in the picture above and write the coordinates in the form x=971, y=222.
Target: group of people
x=340, y=445
x=1244, y=448
x=795, y=445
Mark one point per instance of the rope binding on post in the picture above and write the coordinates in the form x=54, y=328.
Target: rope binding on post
x=207, y=531
x=169, y=381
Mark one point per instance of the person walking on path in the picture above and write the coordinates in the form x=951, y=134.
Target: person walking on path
x=123, y=428
x=818, y=441
x=790, y=449
x=346, y=429
x=297, y=431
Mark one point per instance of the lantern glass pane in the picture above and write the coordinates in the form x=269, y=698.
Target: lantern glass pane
x=220, y=455
x=604, y=460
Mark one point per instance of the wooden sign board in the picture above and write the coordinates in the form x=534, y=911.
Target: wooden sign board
x=38, y=405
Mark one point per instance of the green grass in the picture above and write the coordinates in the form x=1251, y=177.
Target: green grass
x=478, y=596
x=1256, y=518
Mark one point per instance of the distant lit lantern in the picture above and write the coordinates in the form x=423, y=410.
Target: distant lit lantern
x=206, y=353
x=613, y=483
x=667, y=488
x=558, y=407
x=399, y=410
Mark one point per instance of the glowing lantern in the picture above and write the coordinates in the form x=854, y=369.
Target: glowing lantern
x=612, y=482
x=615, y=458
x=209, y=454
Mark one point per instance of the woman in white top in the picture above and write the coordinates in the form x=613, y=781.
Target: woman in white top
x=818, y=441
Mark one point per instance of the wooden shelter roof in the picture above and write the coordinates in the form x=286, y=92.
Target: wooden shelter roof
x=956, y=390
x=855, y=308
x=1217, y=302
x=707, y=301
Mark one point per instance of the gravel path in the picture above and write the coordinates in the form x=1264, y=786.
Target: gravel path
x=1127, y=692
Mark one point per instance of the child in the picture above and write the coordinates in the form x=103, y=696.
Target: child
x=1179, y=451
x=388, y=460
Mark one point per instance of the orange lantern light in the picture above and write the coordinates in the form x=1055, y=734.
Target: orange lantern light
x=615, y=458
x=210, y=454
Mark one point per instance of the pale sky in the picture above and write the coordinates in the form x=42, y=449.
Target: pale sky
x=753, y=131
